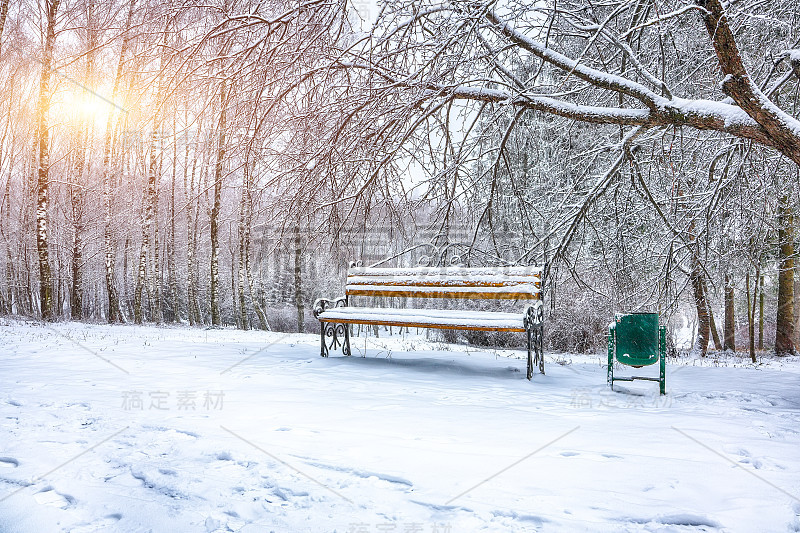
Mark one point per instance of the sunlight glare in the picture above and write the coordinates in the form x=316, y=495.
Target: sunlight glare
x=82, y=105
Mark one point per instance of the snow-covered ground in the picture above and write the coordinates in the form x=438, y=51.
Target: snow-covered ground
x=135, y=429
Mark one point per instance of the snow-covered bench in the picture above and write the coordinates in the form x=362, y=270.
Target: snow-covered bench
x=485, y=283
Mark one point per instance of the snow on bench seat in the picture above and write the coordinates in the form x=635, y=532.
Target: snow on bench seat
x=426, y=318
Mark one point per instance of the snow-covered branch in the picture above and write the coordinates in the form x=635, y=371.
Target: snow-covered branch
x=782, y=129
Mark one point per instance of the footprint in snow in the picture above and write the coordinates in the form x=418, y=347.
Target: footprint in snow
x=97, y=525
x=224, y=524
x=51, y=498
x=8, y=462
x=748, y=459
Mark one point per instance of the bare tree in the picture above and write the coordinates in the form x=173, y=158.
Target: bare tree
x=606, y=65
x=217, y=203
x=43, y=183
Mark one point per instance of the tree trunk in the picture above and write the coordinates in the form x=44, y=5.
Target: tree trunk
x=298, y=281
x=243, y=251
x=703, y=320
x=154, y=284
x=148, y=201
x=80, y=180
x=784, y=323
x=42, y=183
x=245, y=257
x=5, y=225
x=712, y=324
x=193, y=310
x=262, y=317
x=3, y=15
x=761, y=312
x=215, y=313
x=149, y=205
x=796, y=308
x=730, y=324
x=114, y=312
x=751, y=311
x=76, y=302
x=172, y=265
x=125, y=277
x=237, y=315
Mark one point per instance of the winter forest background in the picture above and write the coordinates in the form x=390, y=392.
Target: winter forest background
x=220, y=164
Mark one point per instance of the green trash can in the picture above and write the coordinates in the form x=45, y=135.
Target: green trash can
x=637, y=340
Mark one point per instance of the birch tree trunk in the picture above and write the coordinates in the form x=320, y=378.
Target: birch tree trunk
x=298, y=281
x=148, y=201
x=171, y=260
x=247, y=206
x=79, y=180
x=154, y=281
x=42, y=183
x=3, y=15
x=5, y=225
x=77, y=202
x=192, y=211
x=114, y=313
x=243, y=251
x=149, y=205
x=215, y=312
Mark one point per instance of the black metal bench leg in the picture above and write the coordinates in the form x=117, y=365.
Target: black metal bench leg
x=530, y=356
x=540, y=348
x=346, y=344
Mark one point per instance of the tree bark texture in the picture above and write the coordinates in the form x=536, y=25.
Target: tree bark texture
x=784, y=323
x=43, y=181
x=215, y=210
x=298, y=281
x=703, y=319
x=730, y=323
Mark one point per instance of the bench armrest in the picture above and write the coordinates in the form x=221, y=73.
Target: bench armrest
x=534, y=316
x=323, y=304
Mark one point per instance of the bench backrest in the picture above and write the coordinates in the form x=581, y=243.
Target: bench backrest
x=490, y=283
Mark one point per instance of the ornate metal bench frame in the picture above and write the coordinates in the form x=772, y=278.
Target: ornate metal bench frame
x=335, y=335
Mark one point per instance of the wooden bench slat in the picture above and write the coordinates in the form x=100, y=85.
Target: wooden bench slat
x=440, y=282
x=416, y=272
x=435, y=292
x=426, y=318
